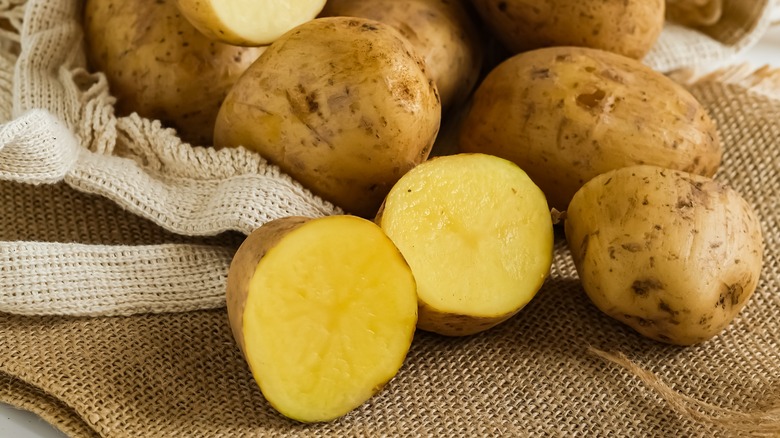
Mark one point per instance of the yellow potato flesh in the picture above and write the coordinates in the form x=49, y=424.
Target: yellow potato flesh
x=329, y=318
x=478, y=236
x=248, y=22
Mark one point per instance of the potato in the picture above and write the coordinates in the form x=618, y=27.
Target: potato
x=673, y=255
x=568, y=114
x=248, y=22
x=694, y=12
x=324, y=311
x=441, y=31
x=161, y=67
x=478, y=236
x=343, y=105
x=626, y=27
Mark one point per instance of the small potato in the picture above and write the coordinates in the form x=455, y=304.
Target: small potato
x=248, y=22
x=161, y=67
x=441, y=31
x=627, y=27
x=478, y=236
x=567, y=114
x=673, y=255
x=694, y=12
x=343, y=105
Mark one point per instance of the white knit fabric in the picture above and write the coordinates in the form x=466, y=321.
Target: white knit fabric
x=39, y=278
x=743, y=23
x=36, y=149
x=63, y=128
x=57, y=124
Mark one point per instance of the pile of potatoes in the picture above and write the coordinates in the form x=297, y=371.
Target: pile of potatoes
x=547, y=108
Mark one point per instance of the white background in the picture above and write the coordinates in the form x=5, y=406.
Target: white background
x=19, y=424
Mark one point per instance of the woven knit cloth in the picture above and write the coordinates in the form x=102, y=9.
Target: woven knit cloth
x=115, y=239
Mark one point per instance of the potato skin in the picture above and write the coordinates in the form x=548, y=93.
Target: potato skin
x=243, y=266
x=161, y=67
x=567, y=114
x=674, y=255
x=343, y=105
x=627, y=27
x=441, y=31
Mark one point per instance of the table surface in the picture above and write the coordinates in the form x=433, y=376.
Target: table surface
x=21, y=424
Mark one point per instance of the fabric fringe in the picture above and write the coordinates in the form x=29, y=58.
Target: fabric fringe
x=764, y=423
x=763, y=80
x=11, y=14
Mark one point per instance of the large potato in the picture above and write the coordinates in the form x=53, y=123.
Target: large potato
x=627, y=27
x=673, y=255
x=567, y=114
x=161, y=67
x=441, y=31
x=343, y=105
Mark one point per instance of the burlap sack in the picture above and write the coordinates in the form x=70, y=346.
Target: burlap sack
x=559, y=368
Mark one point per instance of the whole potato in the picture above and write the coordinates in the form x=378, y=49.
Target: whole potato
x=161, y=67
x=671, y=254
x=567, y=114
x=441, y=31
x=694, y=13
x=627, y=27
x=343, y=105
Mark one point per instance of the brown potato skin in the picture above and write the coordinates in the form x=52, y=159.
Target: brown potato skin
x=343, y=105
x=693, y=13
x=567, y=114
x=673, y=255
x=159, y=66
x=441, y=31
x=243, y=266
x=627, y=27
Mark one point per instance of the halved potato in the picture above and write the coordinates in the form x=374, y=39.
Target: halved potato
x=248, y=22
x=324, y=311
x=478, y=236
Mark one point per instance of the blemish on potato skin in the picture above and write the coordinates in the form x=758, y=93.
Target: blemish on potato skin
x=540, y=73
x=632, y=247
x=684, y=203
x=664, y=307
x=642, y=287
x=591, y=101
x=584, y=246
x=642, y=322
x=731, y=295
x=612, y=76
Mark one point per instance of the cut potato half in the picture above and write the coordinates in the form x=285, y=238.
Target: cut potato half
x=478, y=236
x=324, y=311
x=248, y=22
